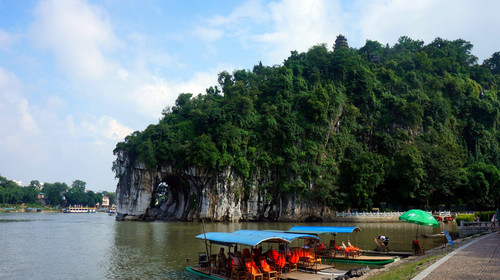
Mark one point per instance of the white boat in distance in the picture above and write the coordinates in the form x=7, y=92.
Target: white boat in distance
x=80, y=210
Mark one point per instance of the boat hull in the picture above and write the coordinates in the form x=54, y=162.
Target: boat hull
x=200, y=273
x=370, y=260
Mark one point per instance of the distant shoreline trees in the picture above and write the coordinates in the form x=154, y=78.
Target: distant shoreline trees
x=54, y=193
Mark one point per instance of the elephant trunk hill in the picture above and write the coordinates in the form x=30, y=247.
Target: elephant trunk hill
x=406, y=126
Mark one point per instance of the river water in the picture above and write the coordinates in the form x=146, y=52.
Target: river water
x=95, y=246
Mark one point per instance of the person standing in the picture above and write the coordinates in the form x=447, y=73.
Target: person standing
x=494, y=220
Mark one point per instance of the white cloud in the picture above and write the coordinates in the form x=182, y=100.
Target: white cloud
x=107, y=127
x=14, y=110
x=252, y=11
x=297, y=25
x=428, y=19
x=79, y=34
x=286, y=25
x=6, y=40
x=152, y=97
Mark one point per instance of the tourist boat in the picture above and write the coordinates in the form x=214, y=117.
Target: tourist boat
x=331, y=255
x=80, y=210
x=444, y=216
x=207, y=265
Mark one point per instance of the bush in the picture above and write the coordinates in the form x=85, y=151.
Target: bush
x=486, y=216
x=465, y=218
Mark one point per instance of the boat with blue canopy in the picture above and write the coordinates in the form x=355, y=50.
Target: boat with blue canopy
x=285, y=235
x=209, y=265
x=338, y=254
x=231, y=239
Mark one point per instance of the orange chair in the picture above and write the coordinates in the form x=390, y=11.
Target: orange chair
x=252, y=271
x=291, y=265
x=308, y=259
x=268, y=273
x=351, y=250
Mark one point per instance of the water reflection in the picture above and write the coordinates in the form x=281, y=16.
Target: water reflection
x=94, y=246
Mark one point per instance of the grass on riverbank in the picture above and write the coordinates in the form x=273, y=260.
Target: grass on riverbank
x=408, y=270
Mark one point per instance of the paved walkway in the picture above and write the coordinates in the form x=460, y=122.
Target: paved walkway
x=479, y=259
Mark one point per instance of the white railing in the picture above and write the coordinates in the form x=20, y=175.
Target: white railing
x=368, y=214
x=475, y=224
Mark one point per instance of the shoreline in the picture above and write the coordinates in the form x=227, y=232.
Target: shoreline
x=431, y=256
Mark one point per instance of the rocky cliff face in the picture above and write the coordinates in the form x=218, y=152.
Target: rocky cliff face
x=195, y=194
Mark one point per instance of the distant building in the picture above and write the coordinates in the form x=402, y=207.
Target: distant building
x=105, y=201
x=41, y=195
x=340, y=42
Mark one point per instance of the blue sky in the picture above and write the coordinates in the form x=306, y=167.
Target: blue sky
x=77, y=76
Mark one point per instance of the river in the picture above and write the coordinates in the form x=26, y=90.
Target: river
x=95, y=246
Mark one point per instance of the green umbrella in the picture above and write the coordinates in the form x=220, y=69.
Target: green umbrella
x=419, y=217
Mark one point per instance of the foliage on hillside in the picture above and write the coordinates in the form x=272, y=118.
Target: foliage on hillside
x=411, y=124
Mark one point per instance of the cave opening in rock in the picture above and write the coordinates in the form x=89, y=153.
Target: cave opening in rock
x=171, y=197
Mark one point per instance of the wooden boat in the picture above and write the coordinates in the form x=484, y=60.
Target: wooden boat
x=80, y=210
x=441, y=234
x=333, y=257
x=207, y=264
x=371, y=260
x=389, y=253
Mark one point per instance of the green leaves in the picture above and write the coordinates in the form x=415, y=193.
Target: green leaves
x=406, y=124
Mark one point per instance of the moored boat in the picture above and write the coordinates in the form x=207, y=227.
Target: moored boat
x=286, y=263
x=335, y=253
x=80, y=210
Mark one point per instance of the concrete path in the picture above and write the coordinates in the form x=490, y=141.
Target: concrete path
x=479, y=259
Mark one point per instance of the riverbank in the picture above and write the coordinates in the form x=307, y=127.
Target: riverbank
x=366, y=219
x=14, y=208
x=412, y=266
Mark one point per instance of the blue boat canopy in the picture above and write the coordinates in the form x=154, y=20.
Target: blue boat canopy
x=228, y=239
x=322, y=230
x=285, y=235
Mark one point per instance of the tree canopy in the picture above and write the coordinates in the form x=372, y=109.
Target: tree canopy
x=411, y=124
x=55, y=193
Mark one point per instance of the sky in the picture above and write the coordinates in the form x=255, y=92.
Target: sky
x=77, y=77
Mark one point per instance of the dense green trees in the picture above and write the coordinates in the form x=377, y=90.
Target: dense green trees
x=11, y=193
x=55, y=193
x=411, y=124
